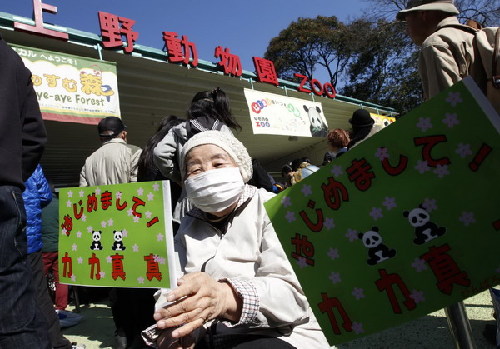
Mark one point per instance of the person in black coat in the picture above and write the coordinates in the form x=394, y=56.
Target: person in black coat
x=22, y=140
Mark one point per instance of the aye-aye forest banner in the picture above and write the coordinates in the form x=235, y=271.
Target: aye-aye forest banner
x=72, y=88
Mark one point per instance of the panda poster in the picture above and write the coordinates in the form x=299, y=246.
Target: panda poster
x=274, y=114
x=403, y=224
x=116, y=235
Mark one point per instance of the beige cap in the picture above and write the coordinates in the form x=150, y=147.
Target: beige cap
x=446, y=6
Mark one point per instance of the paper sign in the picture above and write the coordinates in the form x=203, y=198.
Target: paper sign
x=71, y=88
x=404, y=224
x=274, y=114
x=116, y=235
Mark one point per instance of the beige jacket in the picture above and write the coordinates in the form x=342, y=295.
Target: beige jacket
x=113, y=163
x=250, y=251
x=446, y=57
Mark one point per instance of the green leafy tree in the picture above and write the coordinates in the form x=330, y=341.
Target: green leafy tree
x=308, y=44
x=383, y=70
x=371, y=58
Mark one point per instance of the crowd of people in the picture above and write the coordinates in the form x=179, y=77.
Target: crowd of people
x=238, y=289
x=338, y=142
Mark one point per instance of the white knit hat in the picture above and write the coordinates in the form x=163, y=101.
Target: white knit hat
x=225, y=141
x=446, y=6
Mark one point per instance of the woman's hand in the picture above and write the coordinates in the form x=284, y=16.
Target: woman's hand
x=166, y=341
x=198, y=299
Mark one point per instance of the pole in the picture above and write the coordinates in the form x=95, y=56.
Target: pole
x=459, y=325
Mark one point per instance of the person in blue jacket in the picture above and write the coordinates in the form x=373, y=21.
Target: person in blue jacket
x=37, y=195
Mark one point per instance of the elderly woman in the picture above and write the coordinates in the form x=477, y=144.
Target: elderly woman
x=238, y=288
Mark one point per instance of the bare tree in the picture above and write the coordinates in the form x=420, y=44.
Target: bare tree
x=486, y=12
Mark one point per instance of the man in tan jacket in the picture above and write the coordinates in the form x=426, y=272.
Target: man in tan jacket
x=115, y=161
x=446, y=55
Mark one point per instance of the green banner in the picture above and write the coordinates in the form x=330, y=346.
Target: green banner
x=403, y=224
x=116, y=235
x=72, y=88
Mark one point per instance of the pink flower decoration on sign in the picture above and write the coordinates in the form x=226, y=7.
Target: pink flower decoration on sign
x=419, y=265
x=335, y=277
x=389, y=203
x=422, y=166
x=306, y=190
x=337, y=170
x=358, y=293
x=418, y=296
x=286, y=201
x=454, y=98
x=382, y=153
x=441, y=171
x=290, y=217
x=451, y=120
x=429, y=204
x=329, y=223
x=467, y=218
x=357, y=327
x=463, y=150
x=302, y=262
x=424, y=124
x=352, y=235
x=376, y=213
x=333, y=253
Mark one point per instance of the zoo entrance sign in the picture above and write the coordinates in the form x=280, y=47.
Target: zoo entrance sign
x=115, y=28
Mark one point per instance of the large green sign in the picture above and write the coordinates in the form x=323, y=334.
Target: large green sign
x=403, y=224
x=116, y=235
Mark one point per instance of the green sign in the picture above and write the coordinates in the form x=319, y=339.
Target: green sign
x=116, y=235
x=403, y=224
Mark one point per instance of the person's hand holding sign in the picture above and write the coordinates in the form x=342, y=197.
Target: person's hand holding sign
x=197, y=299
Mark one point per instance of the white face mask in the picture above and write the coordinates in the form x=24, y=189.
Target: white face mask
x=215, y=190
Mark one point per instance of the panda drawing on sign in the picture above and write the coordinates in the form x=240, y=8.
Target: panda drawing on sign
x=318, y=126
x=377, y=251
x=425, y=230
x=118, y=243
x=96, y=241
